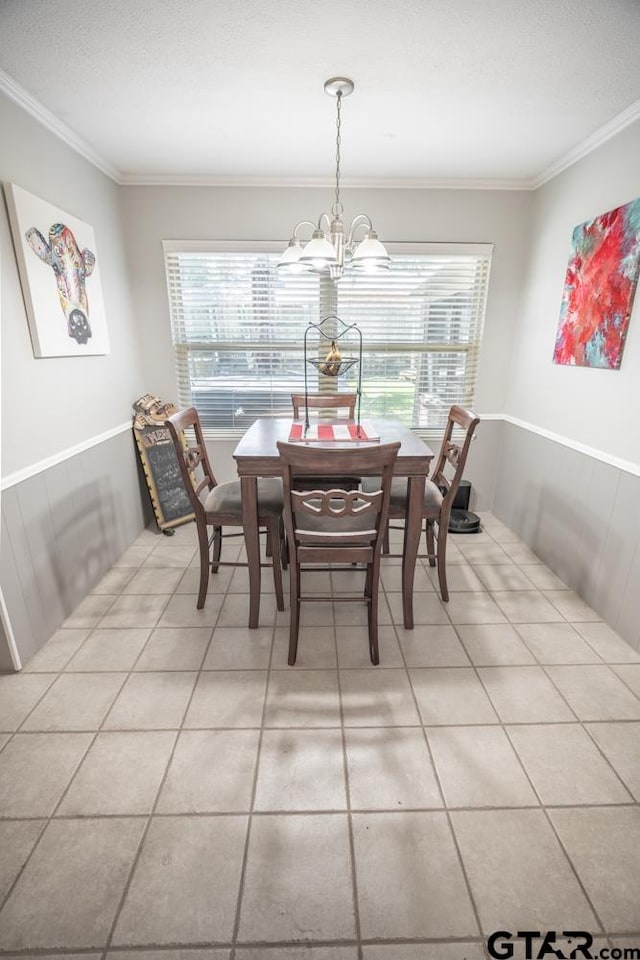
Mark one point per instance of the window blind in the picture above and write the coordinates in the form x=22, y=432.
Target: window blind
x=238, y=328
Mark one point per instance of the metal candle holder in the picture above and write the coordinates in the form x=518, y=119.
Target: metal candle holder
x=332, y=368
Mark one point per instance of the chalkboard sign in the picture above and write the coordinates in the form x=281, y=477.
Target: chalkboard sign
x=170, y=500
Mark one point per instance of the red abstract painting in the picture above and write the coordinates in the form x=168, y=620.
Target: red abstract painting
x=599, y=289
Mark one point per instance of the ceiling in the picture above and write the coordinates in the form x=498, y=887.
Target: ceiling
x=211, y=91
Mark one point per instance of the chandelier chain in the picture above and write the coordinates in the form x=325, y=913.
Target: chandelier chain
x=337, y=206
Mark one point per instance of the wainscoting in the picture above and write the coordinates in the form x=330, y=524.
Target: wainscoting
x=580, y=514
x=62, y=529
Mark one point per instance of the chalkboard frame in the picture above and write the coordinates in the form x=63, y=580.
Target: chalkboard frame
x=148, y=438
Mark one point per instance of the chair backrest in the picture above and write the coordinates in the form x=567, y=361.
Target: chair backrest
x=324, y=401
x=335, y=525
x=454, y=453
x=186, y=432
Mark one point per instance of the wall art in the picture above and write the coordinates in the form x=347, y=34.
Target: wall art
x=60, y=275
x=599, y=288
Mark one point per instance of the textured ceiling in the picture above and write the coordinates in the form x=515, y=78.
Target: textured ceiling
x=445, y=89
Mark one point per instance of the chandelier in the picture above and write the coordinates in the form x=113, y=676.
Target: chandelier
x=329, y=247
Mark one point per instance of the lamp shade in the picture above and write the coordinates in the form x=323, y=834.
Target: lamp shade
x=319, y=252
x=370, y=254
x=290, y=258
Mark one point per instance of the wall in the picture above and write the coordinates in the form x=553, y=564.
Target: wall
x=153, y=214
x=51, y=406
x=569, y=473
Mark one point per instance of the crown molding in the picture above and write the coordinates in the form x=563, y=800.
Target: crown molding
x=609, y=130
x=49, y=120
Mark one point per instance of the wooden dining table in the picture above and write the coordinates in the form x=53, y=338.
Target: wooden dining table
x=257, y=456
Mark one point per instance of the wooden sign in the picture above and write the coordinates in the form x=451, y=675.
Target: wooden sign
x=170, y=500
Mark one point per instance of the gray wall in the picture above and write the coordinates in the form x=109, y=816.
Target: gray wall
x=86, y=509
x=573, y=493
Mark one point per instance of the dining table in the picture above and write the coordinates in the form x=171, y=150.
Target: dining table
x=257, y=456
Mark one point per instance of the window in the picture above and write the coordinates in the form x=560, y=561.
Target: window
x=238, y=329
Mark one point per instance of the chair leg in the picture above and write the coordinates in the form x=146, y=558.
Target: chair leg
x=294, y=612
x=216, y=549
x=431, y=543
x=385, y=541
x=273, y=542
x=203, y=543
x=442, y=561
x=373, y=578
x=284, y=546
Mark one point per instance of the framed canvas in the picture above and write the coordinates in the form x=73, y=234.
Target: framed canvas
x=599, y=289
x=60, y=273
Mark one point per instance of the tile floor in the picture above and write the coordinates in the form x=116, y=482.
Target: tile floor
x=167, y=782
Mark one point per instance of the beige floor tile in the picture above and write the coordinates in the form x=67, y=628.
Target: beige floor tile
x=508, y=576
x=134, y=611
x=494, y=644
x=181, y=611
x=115, y=580
x=519, y=875
x=390, y=768
x=476, y=551
x=426, y=951
x=565, y=766
x=353, y=647
x=629, y=673
x=478, y=768
x=151, y=701
x=35, y=769
x=239, y=648
x=595, y=692
x=460, y=577
x=303, y=698
x=235, y=612
x=410, y=883
x=391, y=580
x=620, y=743
x=185, y=885
x=121, y=774
x=298, y=880
x=90, y=611
x=218, y=582
x=520, y=553
x=174, y=648
x=227, y=698
x=301, y=770
x=211, y=953
x=451, y=696
x=90, y=860
x=542, y=577
x=524, y=695
x=151, y=580
x=134, y=556
x=76, y=701
x=109, y=651
x=17, y=840
x=527, y=606
x=427, y=608
x=603, y=844
x=571, y=606
x=211, y=771
x=4, y=738
x=377, y=698
x=19, y=693
x=355, y=614
x=57, y=651
x=432, y=646
x=316, y=648
x=607, y=643
x=298, y=953
x=556, y=643
x=170, y=555
x=474, y=608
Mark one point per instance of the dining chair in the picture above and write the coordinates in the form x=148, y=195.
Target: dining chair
x=439, y=493
x=218, y=505
x=335, y=525
x=324, y=401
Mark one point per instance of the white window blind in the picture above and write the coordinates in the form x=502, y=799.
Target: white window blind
x=238, y=328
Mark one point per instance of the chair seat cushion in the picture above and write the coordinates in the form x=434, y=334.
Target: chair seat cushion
x=398, y=500
x=226, y=499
